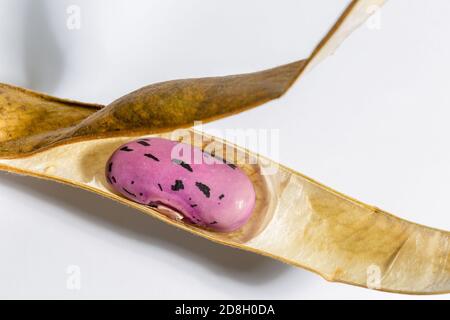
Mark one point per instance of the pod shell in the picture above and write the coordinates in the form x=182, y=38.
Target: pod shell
x=206, y=190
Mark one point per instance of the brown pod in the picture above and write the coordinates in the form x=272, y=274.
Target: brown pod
x=295, y=220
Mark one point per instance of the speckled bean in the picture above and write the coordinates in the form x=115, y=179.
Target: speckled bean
x=213, y=194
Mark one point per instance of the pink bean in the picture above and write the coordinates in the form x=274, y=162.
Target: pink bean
x=209, y=193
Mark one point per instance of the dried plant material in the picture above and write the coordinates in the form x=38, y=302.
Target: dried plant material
x=156, y=108
x=356, y=13
x=25, y=113
x=296, y=220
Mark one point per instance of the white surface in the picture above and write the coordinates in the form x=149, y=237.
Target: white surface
x=371, y=121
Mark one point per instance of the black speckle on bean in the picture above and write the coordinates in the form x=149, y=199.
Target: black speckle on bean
x=178, y=185
x=203, y=188
x=143, y=143
x=183, y=164
x=149, y=155
x=130, y=193
x=126, y=149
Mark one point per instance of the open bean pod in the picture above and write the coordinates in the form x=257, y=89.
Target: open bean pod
x=295, y=220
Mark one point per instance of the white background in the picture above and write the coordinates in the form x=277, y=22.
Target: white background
x=372, y=121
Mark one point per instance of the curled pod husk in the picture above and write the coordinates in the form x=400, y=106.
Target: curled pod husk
x=296, y=220
x=31, y=122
